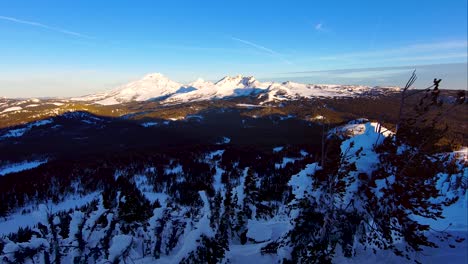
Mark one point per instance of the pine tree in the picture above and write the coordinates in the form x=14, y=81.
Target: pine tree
x=408, y=175
x=376, y=208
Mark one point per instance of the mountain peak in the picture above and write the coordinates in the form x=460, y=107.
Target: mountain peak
x=156, y=86
x=153, y=85
x=155, y=75
x=202, y=84
x=200, y=81
x=239, y=77
x=238, y=80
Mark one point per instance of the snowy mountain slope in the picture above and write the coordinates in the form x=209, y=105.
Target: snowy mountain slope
x=226, y=87
x=239, y=85
x=150, y=86
x=158, y=87
x=175, y=232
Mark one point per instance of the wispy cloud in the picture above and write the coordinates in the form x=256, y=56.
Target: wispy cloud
x=354, y=70
x=319, y=27
x=439, y=56
x=190, y=48
x=372, y=69
x=262, y=48
x=272, y=52
x=441, y=45
x=454, y=75
x=40, y=25
x=428, y=48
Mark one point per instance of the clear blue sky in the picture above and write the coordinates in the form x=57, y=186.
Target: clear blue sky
x=64, y=48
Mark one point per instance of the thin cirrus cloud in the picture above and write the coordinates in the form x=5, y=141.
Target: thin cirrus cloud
x=453, y=74
x=262, y=48
x=444, y=56
x=40, y=25
x=320, y=27
x=428, y=49
x=374, y=70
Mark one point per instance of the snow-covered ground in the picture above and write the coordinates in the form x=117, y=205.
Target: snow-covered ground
x=174, y=169
x=191, y=237
x=250, y=106
x=34, y=214
x=141, y=181
x=18, y=132
x=224, y=140
x=362, y=137
x=285, y=162
x=12, y=109
x=278, y=149
x=149, y=124
x=21, y=166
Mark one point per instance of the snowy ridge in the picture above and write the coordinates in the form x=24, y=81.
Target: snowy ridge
x=18, y=132
x=158, y=87
x=229, y=217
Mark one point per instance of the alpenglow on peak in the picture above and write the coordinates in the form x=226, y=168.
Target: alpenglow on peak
x=156, y=86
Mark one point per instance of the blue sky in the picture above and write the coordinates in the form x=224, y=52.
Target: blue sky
x=67, y=48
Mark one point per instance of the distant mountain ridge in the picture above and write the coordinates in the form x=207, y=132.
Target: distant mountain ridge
x=158, y=87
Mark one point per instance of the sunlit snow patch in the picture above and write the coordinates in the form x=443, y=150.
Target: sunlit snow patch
x=249, y=106
x=12, y=109
x=108, y=101
x=318, y=117
x=462, y=153
x=358, y=127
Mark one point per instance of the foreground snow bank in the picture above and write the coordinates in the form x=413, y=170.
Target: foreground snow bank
x=120, y=244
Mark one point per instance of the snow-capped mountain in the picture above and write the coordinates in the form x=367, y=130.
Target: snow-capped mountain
x=158, y=87
x=201, y=84
x=151, y=86
x=239, y=81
